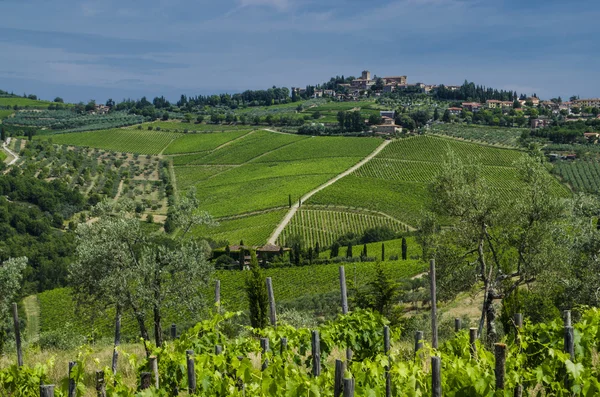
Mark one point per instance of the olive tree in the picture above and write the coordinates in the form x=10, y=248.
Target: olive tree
x=119, y=264
x=11, y=274
x=503, y=241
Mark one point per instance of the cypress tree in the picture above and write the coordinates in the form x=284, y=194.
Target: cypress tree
x=335, y=250
x=365, y=250
x=256, y=290
x=310, y=255
x=3, y=135
x=241, y=243
x=242, y=259
x=227, y=250
x=349, y=251
x=404, y=248
x=382, y=252
x=290, y=200
x=297, y=254
x=317, y=249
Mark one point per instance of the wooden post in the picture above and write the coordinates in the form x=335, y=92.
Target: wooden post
x=115, y=357
x=218, y=294
x=272, y=312
x=500, y=353
x=191, y=372
x=570, y=342
x=71, y=392
x=173, y=331
x=145, y=380
x=283, y=346
x=343, y=290
x=457, y=324
x=436, y=376
x=100, y=385
x=46, y=390
x=567, y=318
x=264, y=345
x=154, y=368
x=418, y=342
x=518, y=391
x=348, y=387
x=472, y=339
x=218, y=349
x=518, y=320
x=386, y=350
x=15, y=313
x=316, y=353
x=434, y=330
x=338, y=379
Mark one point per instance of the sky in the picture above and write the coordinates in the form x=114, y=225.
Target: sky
x=82, y=50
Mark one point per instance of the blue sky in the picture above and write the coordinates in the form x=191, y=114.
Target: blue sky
x=83, y=50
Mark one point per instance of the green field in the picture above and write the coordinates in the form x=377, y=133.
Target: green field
x=324, y=225
x=26, y=102
x=395, y=181
x=180, y=126
x=193, y=143
x=480, y=133
x=2, y=155
x=253, y=229
x=192, y=175
x=6, y=113
x=291, y=285
x=122, y=140
x=581, y=175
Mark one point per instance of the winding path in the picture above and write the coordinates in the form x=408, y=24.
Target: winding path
x=13, y=154
x=288, y=217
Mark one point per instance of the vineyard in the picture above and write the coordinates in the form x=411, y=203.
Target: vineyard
x=20, y=102
x=500, y=136
x=122, y=140
x=540, y=359
x=395, y=181
x=193, y=143
x=581, y=175
x=324, y=226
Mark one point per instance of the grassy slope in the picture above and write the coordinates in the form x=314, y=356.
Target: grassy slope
x=26, y=103
x=395, y=182
x=191, y=143
x=122, y=140
x=5, y=113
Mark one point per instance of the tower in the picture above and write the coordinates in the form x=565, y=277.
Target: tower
x=366, y=75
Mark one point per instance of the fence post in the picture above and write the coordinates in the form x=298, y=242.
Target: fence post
x=418, y=342
x=218, y=294
x=264, y=345
x=518, y=320
x=457, y=324
x=343, y=290
x=283, y=346
x=154, y=368
x=472, y=339
x=46, y=390
x=338, y=380
x=348, y=387
x=500, y=353
x=386, y=350
x=567, y=318
x=15, y=313
x=173, y=331
x=71, y=392
x=191, y=372
x=100, y=385
x=436, y=376
x=434, y=330
x=115, y=356
x=570, y=342
x=272, y=312
x=316, y=353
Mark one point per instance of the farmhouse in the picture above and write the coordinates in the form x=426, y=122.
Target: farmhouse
x=472, y=106
x=594, y=102
x=455, y=111
x=388, y=113
x=540, y=122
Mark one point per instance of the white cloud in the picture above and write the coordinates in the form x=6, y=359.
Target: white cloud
x=278, y=4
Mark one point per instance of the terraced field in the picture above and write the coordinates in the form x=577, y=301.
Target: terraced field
x=395, y=181
x=481, y=133
x=5, y=113
x=118, y=139
x=325, y=225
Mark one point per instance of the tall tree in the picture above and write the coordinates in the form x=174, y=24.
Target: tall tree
x=256, y=291
x=11, y=274
x=3, y=134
